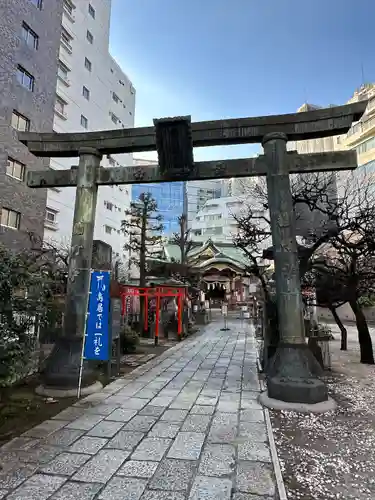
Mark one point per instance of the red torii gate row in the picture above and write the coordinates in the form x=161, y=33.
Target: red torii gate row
x=158, y=293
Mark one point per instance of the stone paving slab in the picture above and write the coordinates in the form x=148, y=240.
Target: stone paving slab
x=184, y=426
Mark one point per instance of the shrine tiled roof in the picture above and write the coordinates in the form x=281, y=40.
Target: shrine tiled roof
x=219, y=251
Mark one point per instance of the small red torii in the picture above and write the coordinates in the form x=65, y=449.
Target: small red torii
x=156, y=292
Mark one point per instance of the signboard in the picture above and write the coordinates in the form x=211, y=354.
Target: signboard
x=244, y=308
x=206, y=304
x=116, y=318
x=224, y=310
x=246, y=315
x=252, y=289
x=97, y=327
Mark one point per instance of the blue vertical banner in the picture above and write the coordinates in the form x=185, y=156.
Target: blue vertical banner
x=97, y=327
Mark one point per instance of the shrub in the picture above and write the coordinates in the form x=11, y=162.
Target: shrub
x=25, y=290
x=129, y=340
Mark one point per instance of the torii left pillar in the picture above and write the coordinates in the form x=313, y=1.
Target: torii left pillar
x=61, y=374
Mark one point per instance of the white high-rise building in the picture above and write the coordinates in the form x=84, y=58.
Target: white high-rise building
x=199, y=192
x=92, y=93
x=216, y=219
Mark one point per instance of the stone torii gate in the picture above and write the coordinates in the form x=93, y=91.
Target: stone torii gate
x=293, y=378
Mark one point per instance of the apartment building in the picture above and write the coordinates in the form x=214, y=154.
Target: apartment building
x=360, y=137
x=92, y=93
x=216, y=220
x=30, y=39
x=199, y=192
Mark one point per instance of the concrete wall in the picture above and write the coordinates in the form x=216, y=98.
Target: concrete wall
x=345, y=314
x=36, y=105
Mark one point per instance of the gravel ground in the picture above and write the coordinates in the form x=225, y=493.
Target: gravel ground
x=332, y=455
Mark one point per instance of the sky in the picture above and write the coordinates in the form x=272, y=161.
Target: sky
x=215, y=59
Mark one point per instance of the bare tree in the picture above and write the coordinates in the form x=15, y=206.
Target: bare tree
x=182, y=239
x=342, y=243
x=328, y=294
x=143, y=227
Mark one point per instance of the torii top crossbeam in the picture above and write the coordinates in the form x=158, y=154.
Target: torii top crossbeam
x=324, y=122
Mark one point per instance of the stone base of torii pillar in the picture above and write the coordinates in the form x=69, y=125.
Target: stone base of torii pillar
x=293, y=381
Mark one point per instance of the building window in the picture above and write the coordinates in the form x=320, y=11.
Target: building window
x=88, y=64
x=86, y=93
x=25, y=78
x=16, y=169
x=10, y=218
x=30, y=37
x=84, y=121
x=108, y=205
x=91, y=11
x=115, y=97
x=108, y=229
x=38, y=3
x=114, y=118
x=51, y=216
x=60, y=106
x=89, y=36
x=20, y=122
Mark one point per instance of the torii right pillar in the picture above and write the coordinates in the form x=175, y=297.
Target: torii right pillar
x=293, y=372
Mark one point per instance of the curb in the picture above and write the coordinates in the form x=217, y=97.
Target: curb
x=274, y=456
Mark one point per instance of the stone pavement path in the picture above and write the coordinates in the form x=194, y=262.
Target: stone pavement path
x=185, y=426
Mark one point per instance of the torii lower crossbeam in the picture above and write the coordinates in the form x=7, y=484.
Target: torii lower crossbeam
x=244, y=167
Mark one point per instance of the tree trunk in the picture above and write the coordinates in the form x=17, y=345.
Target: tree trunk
x=364, y=338
x=344, y=333
x=142, y=271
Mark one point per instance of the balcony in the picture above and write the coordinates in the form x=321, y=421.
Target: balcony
x=60, y=106
x=66, y=38
x=371, y=106
x=51, y=225
x=360, y=131
x=61, y=113
x=66, y=45
x=68, y=13
x=63, y=79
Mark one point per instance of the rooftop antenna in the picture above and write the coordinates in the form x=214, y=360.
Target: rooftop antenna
x=363, y=75
x=305, y=92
